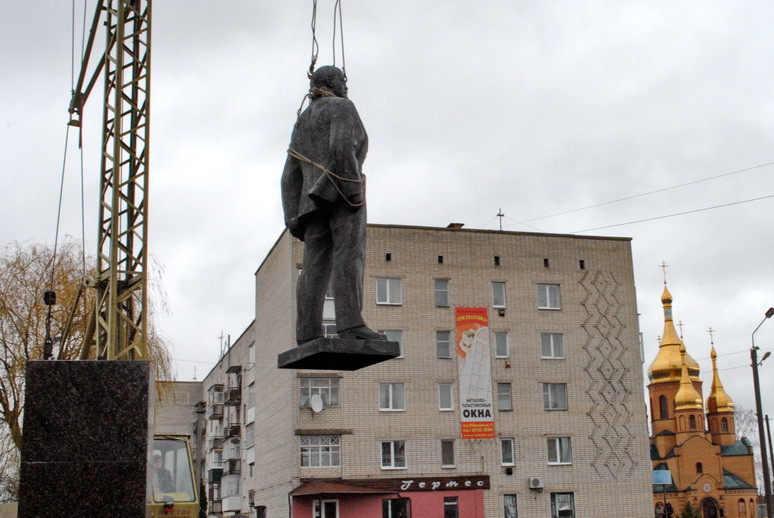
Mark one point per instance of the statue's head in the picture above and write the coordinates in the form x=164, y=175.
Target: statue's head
x=330, y=78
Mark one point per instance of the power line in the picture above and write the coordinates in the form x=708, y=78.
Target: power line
x=675, y=214
x=747, y=169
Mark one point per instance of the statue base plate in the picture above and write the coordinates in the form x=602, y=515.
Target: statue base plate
x=338, y=354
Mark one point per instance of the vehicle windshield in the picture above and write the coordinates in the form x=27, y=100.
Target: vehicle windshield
x=171, y=474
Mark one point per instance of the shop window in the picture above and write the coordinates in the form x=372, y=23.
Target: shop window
x=451, y=507
x=396, y=508
x=326, y=509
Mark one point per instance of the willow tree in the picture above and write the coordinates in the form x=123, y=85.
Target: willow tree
x=27, y=271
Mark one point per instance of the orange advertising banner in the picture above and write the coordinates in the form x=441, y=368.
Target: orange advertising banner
x=474, y=369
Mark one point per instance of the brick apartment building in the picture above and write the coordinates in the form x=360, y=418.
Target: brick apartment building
x=562, y=366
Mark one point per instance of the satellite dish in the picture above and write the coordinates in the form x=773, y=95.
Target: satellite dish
x=316, y=402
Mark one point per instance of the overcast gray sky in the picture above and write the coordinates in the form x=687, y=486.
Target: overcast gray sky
x=535, y=108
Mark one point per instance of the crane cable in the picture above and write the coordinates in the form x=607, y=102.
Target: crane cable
x=49, y=295
x=338, y=20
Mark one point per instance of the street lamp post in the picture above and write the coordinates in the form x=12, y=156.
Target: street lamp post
x=759, y=410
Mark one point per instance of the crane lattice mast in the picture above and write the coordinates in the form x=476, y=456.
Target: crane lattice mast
x=118, y=326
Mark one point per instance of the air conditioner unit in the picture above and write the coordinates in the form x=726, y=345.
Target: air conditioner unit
x=536, y=482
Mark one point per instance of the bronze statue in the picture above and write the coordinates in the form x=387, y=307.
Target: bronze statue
x=323, y=197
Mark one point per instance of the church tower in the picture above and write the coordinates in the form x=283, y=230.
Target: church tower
x=708, y=466
x=720, y=409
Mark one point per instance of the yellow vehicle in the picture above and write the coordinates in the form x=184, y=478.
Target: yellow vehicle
x=174, y=489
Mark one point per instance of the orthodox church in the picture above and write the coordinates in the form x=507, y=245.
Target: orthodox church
x=709, y=466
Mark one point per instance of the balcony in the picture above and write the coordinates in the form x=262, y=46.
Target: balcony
x=232, y=430
x=215, y=412
x=216, y=507
x=216, y=443
x=234, y=396
x=232, y=467
x=232, y=503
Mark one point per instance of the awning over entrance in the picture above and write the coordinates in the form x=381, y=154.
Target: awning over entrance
x=322, y=487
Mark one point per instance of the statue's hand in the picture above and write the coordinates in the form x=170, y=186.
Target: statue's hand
x=296, y=229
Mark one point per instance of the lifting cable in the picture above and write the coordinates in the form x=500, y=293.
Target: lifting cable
x=49, y=295
x=337, y=21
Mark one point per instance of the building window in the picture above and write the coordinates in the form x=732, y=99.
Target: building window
x=723, y=424
x=442, y=293
x=391, y=397
x=451, y=507
x=501, y=345
x=447, y=453
x=445, y=401
x=329, y=329
x=388, y=291
x=394, y=335
x=554, y=396
x=443, y=344
x=326, y=388
x=216, y=459
x=504, y=400
x=562, y=505
x=742, y=508
x=395, y=508
x=692, y=422
x=506, y=451
x=498, y=294
x=559, y=450
x=699, y=468
x=393, y=454
x=326, y=508
x=509, y=505
x=249, y=435
x=251, y=354
x=551, y=345
x=549, y=296
x=321, y=451
x=662, y=403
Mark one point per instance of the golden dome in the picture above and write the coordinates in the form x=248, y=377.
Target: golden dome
x=718, y=400
x=687, y=397
x=667, y=364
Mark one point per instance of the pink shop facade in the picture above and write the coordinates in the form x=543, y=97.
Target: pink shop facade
x=431, y=497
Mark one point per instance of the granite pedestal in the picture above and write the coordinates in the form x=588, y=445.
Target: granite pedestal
x=86, y=437
x=338, y=354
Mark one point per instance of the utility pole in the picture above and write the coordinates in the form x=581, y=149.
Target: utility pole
x=759, y=410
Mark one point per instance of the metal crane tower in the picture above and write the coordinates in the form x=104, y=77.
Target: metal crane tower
x=118, y=326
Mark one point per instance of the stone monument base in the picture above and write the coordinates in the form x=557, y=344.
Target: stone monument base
x=86, y=438
x=338, y=354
